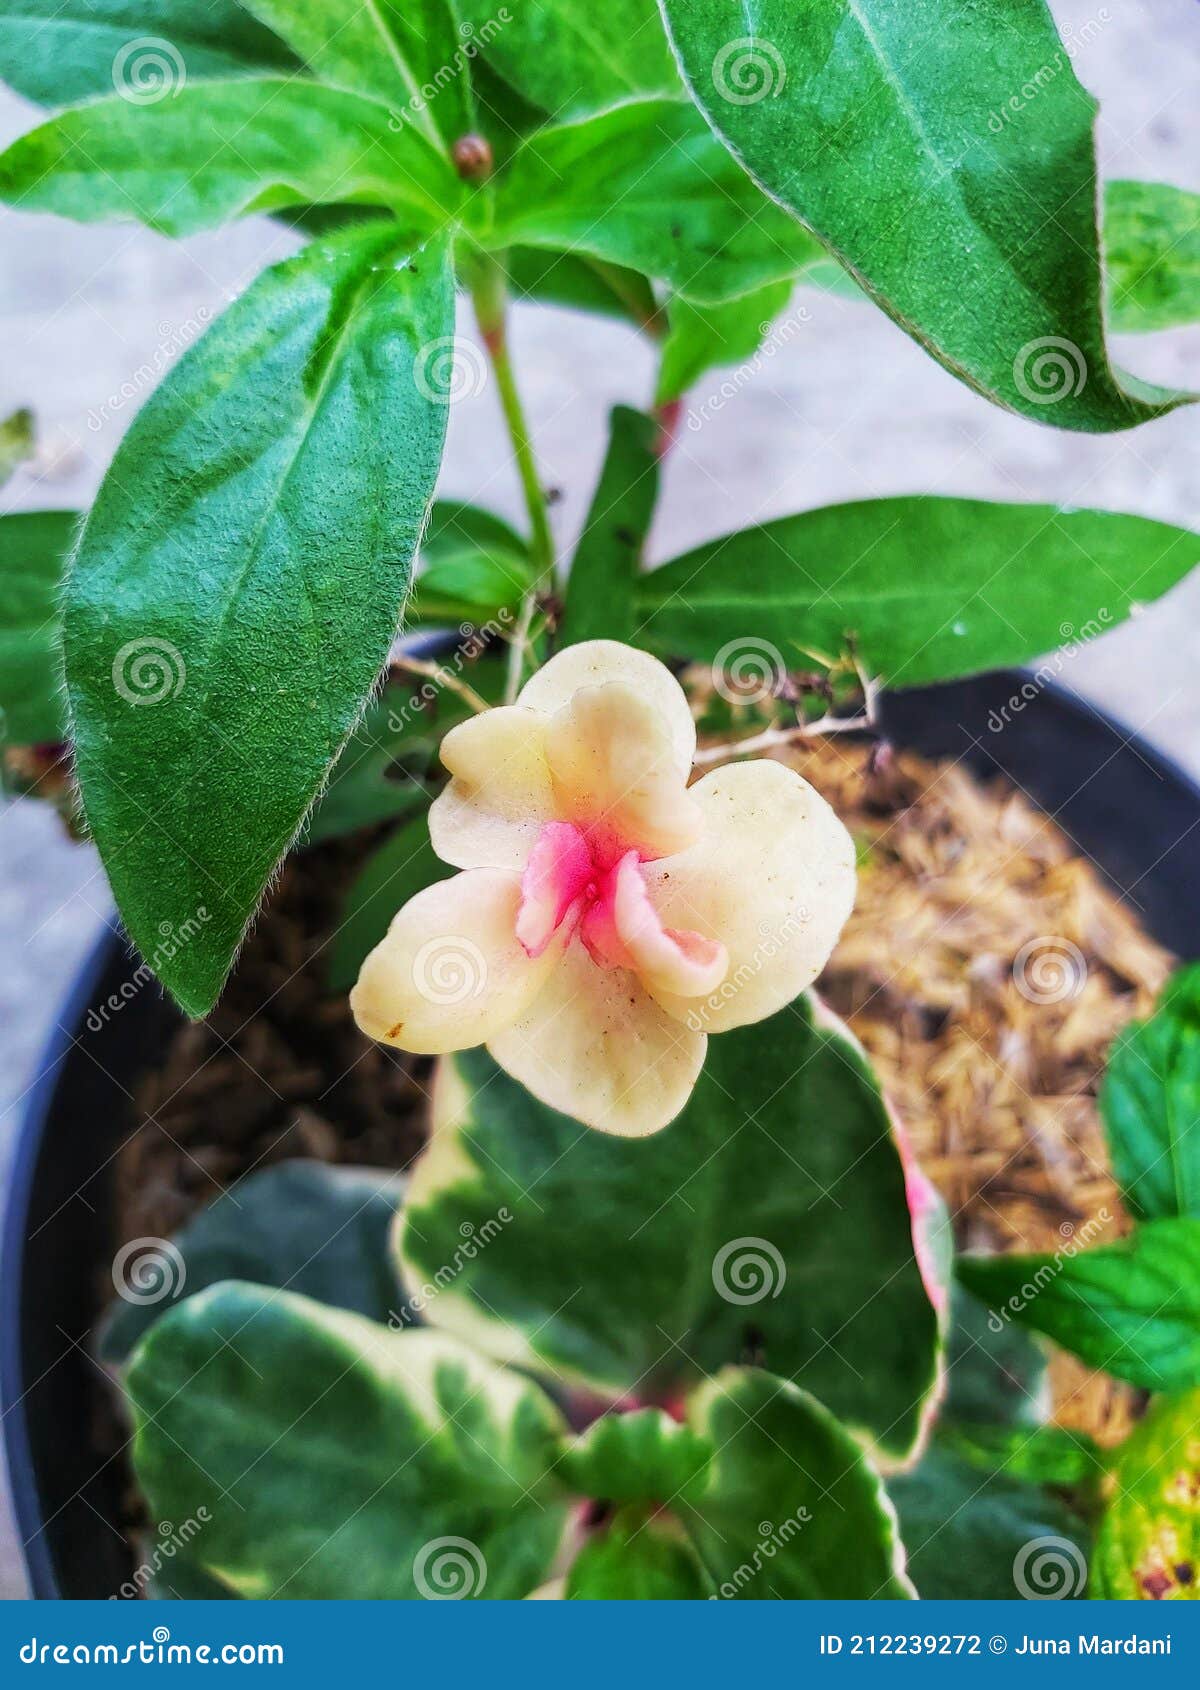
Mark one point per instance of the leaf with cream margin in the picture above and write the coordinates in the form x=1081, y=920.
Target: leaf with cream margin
x=892, y=134
x=792, y=1508
x=770, y=1219
x=640, y=1456
x=340, y=1460
x=1148, y=1545
x=224, y=626
x=638, y=1558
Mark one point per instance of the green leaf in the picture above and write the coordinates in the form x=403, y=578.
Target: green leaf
x=1148, y=1545
x=78, y=48
x=217, y=150
x=339, y=1460
x=1040, y=1455
x=638, y=1559
x=582, y=284
x=571, y=57
x=302, y=1226
x=16, y=442
x=600, y=587
x=366, y=786
x=643, y=1456
x=1152, y=244
x=700, y=338
x=769, y=1220
x=992, y=1537
x=792, y=1509
x=963, y=202
x=390, y=50
x=224, y=623
x=1131, y=1308
x=33, y=549
x=473, y=568
x=647, y=186
x=1150, y=1101
x=995, y=1372
x=930, y=588
x=402, y=866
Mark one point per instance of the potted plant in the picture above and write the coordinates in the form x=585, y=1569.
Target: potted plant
x=735, y=1301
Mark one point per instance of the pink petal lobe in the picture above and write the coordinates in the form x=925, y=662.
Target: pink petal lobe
x=559, y=870
x=668, y=958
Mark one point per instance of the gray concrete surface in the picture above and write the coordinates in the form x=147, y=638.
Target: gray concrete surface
x=847, y=408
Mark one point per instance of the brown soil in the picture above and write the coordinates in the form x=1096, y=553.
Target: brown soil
x=993, y=1066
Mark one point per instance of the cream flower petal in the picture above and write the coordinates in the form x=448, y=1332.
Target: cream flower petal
x=771, y=878
x=611, y=760
x=596, y=1046
x=451, y=971
x=596, y=662
x=625, y=927
x=500, y=795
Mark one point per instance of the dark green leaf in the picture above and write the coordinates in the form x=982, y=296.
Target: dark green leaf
x=33, y=551
x=1150, y=1102
x=366, y=785
x=225, y=623
x=792, y=1508
x=571, y=57
x=948, y=161
x=339, y=1460
x=74, y=49
x=638, y=1559
x=1131, y=1308
x=1148, y=1545
x=1040, y=1455
x=473, y=568
x=995, y=1372
x=930, y=588
x=180, y=1578
x=401, y=867
x=702, y=337
x=16, y=442
x=600, y=588
x=768, y=1220
x=643, y=1456
x=216, y=150
x=583, y=284
x=302, y=1226
x=648, y=187
x=1152, y=244
x=970, y=1535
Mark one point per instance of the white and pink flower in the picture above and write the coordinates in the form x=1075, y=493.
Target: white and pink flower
x=608, y=917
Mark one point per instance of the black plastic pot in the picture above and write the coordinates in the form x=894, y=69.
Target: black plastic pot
x=1134, y=814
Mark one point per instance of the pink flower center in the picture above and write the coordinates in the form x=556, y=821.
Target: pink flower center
x=570, y=883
